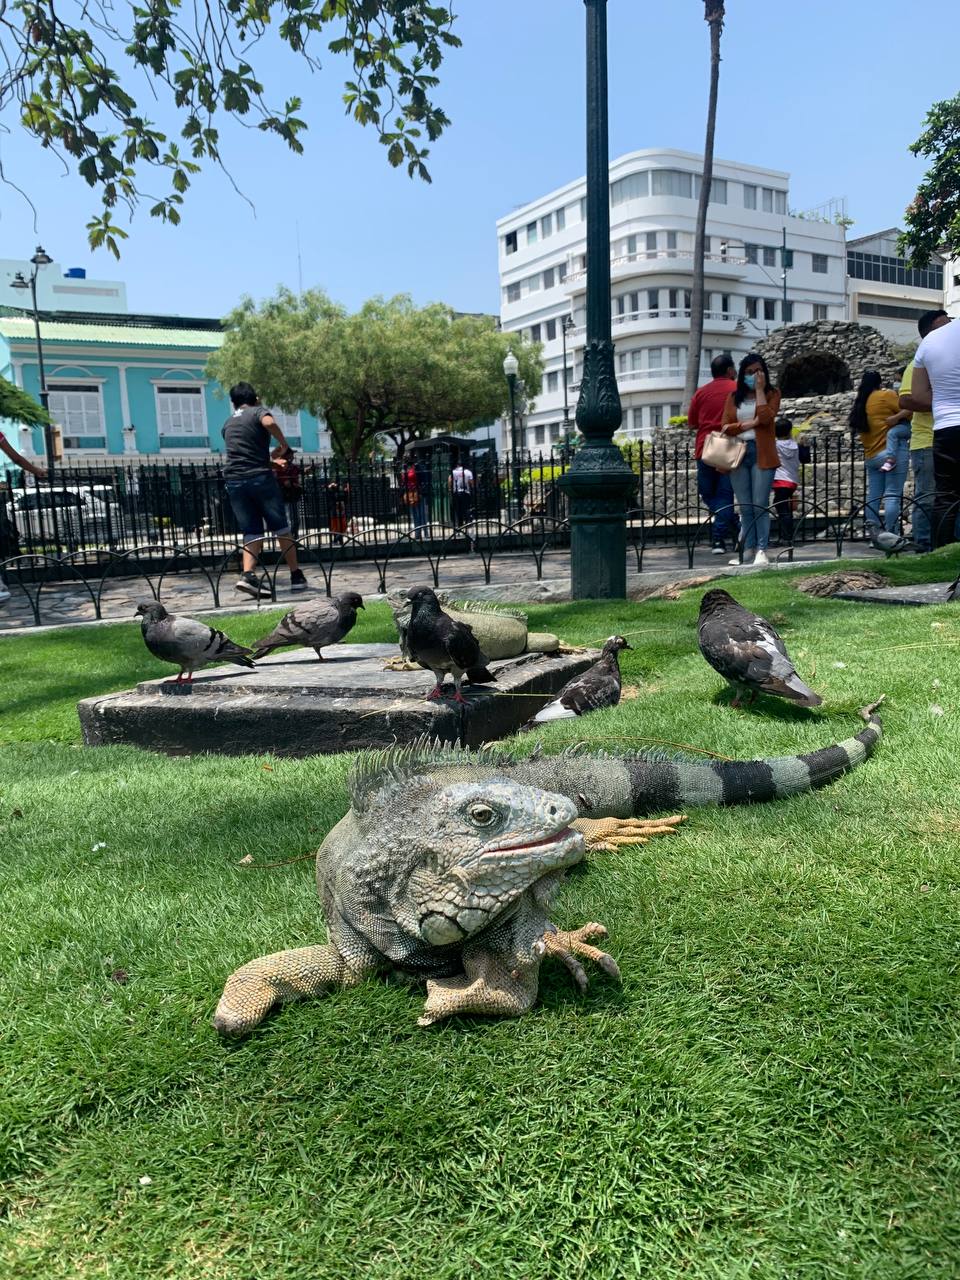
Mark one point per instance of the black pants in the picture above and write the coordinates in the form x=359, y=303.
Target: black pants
x=462, y=502
x=783, y=506
x=946, y=474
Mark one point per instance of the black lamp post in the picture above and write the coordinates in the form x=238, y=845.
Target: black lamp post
x=511, y=366
x=566, y=324
x=599, y=482
x=40, y=259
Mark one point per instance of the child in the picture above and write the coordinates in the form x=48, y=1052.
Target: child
x=896, y=436
x=786, y=477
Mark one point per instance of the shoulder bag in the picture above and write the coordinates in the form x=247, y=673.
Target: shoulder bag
x=723, y=452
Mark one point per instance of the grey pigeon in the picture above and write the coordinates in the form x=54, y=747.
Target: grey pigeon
x=189, y=645
x=891, y=544
x=438, y=643
x=953, y=591
x=313, y=624
x=599, y=686
x=747, y=652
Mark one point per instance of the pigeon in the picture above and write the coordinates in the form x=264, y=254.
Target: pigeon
x=599, y=686
x=953, y=591
x=747, y=652
x=189, y=645
x=891, y=544
x=313, y=624
x=438, y=643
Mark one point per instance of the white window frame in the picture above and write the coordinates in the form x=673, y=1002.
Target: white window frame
x=289, y=423
x=163, y=393
x=61, y=416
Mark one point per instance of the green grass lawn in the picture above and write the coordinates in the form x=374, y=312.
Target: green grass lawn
x=771, y=1092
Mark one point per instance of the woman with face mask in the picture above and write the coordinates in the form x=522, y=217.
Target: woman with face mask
x=749, y=414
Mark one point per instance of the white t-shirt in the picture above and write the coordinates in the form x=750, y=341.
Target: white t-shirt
x=939, y=354
x=462, y=480
x=745, y=412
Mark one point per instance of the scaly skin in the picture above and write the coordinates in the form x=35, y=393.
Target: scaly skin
x=446, y=865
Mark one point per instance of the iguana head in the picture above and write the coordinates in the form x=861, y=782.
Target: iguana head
x=448, y=853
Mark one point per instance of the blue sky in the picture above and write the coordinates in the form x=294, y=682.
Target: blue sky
x=825, y=90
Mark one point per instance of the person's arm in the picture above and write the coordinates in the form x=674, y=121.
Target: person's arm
x=269, y=423
x=921, y=392
x=768, y=402
x=902, y=415
x=19, y=460
x=730, y=425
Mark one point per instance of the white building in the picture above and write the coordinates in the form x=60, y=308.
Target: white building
x=951, y=286
x=60, y=289
x=886, y=292
x=653, y=209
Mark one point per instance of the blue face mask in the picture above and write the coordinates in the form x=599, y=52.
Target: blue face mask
x=750, y=380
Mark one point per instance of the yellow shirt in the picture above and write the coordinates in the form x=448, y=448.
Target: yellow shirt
x=880, y=406
x=921, y=424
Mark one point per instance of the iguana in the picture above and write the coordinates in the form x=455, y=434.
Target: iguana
x=447, y=862
x=501, y=631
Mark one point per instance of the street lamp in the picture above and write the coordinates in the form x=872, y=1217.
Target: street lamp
x=566, y=324
x=40, y=259
x=511, y=367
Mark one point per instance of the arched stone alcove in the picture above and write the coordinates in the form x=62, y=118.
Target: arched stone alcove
x=814, y=373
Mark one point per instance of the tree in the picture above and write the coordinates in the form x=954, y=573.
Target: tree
x=713, y=14
x=63, y=62
x=19, y=407
x=390, y=369
x=933, y=217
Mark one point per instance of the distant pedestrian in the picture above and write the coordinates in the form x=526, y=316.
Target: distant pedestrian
x=461, y=485
x=9, y=538
x=715, y=488
x=337, y=495
x=289, y=475
x=936, y=386
x=876, y=413
x=749, y=414
x=921, y=445
x=416, y=495
x=252, y=486
x=786, y=480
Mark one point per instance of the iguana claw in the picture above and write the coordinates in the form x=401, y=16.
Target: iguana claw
x=567, y=945
x=609, y=833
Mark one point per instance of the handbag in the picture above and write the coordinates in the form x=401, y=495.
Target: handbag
x=723, y=452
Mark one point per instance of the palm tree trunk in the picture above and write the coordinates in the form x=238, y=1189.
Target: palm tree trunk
x=713, y=14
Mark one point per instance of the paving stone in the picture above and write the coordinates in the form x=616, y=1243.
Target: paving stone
x=293, y=705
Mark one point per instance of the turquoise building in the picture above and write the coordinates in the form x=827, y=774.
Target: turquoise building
x=129, y=386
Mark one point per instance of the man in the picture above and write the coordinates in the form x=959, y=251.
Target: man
x=936, y=385
x=705, y=415
x=461, y=487
x=921, y=444
x=252, y=487
x=7, y=531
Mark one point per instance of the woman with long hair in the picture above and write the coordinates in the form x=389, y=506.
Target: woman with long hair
x=750, y=413
x=874, y=419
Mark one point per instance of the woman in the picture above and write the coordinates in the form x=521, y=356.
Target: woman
x=749, y=414
x=876, y=412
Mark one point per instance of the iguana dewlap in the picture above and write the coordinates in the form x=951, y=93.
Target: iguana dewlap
x=447, y=863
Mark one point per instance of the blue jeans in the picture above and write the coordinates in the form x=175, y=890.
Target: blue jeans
x=887, y=485
x=257, y=501
x=897, y=437
x=752, y=485
x=921, y=463
x=717, y=493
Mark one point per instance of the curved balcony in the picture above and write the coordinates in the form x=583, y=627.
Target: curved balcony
x=662, y=320
x=722, y=266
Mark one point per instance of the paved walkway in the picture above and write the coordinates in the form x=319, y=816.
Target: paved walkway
x=513, y=577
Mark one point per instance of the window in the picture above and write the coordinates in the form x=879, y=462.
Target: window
x=786, y=256
x=569, y=372
x=553, y=380
x=671, y=182
x=539, y=434
x=676, y=410
x=766, y=200
x=546, y=227
x=891, y=312
x=655, y=358
x=780, y=202
x=679, y=301
x=787, y=312
x=819, y=263
x=78, y=409
x=289, y=424
x=749, y=196
x=725, y=303
x=656, y=415
x=769, y=308
x=554, y=431
x=631, y=245
x=510, y=242
x=534, y=333
x=752, y=305
x=653, y=301
x=180, y=417
x=769, y=256
x=651, y=242
x=583, y=208
x=820, y=311
x=551, y=328
x=718, y=191
x=561, y=272
x=561, y=218
x=531, y=233
x=671, y=240
x=548, y=278
x=673, y=357
x=532, y=284
x=632, y=187
x=513, y=291
x=874, y=266
x=752, y=253
x=637, y=420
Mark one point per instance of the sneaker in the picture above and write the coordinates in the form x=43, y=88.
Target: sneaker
x=4, y=593
x=889, y=464
x=718, y=549
x=297, y=581
x=761, y=559
x=250, y=585
x=735, y=560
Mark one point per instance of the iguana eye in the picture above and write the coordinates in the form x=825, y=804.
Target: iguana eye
x=481, y=815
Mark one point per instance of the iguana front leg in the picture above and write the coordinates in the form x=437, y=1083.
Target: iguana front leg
x=488, y=986
x=570, y=944
x=254, y=988
x=609, y=833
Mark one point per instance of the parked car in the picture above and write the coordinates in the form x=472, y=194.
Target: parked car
x=65, y=515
